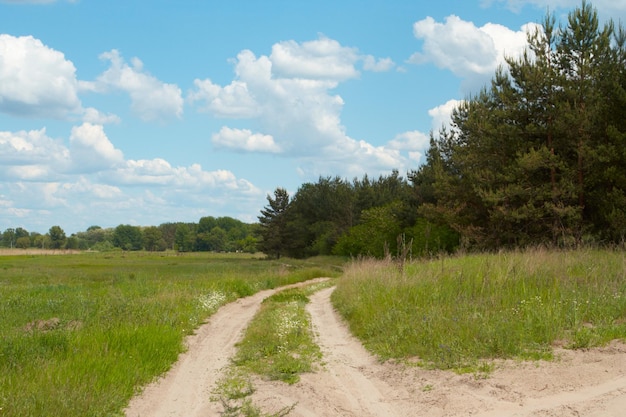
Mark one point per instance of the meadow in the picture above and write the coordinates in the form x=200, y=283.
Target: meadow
x=81, y=332
x=461, y=312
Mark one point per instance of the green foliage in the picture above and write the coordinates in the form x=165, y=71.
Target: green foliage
x=537, y=157
x=430, y=238
x=22, y=242
x=153, y=239
x=57, y=237
x=185, y=237
x=128, y=237
x=9, y=238
x=279, y=342
x=81, y=333
x=273, y=224
x=456, y=312
x=374, y=236
x=335, y=216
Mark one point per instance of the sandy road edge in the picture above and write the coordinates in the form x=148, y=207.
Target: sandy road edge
x=185, y=390
x=352, y=383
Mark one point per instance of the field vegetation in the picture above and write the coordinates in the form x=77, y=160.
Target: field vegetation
x=460, y=312
x=278, y=344
x=81, y=333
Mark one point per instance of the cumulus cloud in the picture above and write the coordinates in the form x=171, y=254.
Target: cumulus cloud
x=35, y=80
x=414, y=142
x=289, y=94
x=468, y=51
x=232, y=101
x=244, y=140
x=441, y=115
x=321, y=59
x=159, y=172
x=151, y=98
x=95, y=116
x=50, y=182
x=31, y=155
x=370, y=63
x=91, y=150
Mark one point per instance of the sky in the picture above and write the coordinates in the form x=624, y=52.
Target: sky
x=135, y=112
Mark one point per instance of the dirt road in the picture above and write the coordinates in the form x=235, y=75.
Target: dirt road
x=352, y=383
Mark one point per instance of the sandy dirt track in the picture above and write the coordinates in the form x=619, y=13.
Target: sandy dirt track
x=353, y=383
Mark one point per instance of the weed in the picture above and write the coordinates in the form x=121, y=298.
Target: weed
x=278, y=344
x=458, y=312
x=82, y=333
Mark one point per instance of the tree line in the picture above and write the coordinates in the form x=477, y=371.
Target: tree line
x=221, y=234
x=538, y=157
x=373, y=217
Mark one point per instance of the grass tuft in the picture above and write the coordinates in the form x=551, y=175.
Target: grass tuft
x=278, y=344
x=81, y=333
x=279, y=341
x=453, y=313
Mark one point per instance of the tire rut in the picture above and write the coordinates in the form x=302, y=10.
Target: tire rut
x=185, y=390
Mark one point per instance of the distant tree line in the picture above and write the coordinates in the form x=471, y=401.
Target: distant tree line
x=536, y=158
x=222, y=234
x=372, y=217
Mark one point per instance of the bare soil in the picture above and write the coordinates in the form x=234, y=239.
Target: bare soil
x=352, y=382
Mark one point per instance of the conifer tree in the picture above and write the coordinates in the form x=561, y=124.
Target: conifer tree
x=273, y=221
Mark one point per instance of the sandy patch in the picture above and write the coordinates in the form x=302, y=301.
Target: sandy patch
x=353, y=383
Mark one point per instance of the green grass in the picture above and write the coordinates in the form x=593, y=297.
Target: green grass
x=278, y=345
x=455, y=313
x=81, y=333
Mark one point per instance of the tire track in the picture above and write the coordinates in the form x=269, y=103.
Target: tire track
x=185, y=390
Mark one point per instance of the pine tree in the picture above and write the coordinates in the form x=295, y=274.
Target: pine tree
x=273, y=220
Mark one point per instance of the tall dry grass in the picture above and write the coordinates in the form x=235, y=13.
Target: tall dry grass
x=454, y=312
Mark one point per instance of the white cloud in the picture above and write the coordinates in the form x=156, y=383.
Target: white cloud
x=38, y=177
x=289, y=95
x=370, y=63
x=232, y=101
x=91, y=115
x=351, y=158
x=83, y=187
x=321, y=59
x=159, y=172
x=414, y=143
x=441, y=115
x=244, y=140
x=411, y=141
x=35, y=80
x=466, y=50
x=31, y=155
x=151, y=99
x=91, y=150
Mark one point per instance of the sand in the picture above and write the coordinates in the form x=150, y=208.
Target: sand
x=351, y=382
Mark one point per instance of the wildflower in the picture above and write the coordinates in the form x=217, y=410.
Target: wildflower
x=212, y=301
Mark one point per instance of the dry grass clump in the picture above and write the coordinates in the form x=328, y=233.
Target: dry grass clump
x=454, y=312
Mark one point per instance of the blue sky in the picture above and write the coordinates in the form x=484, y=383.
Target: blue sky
x=131, y=112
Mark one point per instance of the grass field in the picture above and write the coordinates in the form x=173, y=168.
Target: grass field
x=456, y=312
x=81, y=332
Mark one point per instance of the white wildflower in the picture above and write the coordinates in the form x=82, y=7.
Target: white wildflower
x=212, y=301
